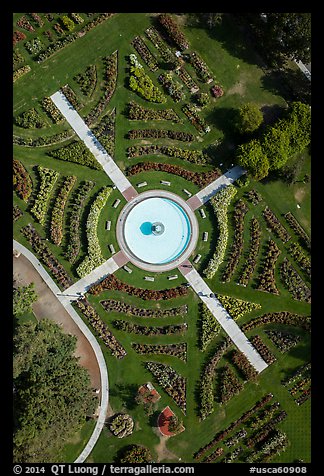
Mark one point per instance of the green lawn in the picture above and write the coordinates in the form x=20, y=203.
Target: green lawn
x=236, y=67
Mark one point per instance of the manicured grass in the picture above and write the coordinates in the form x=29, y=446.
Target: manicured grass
x=235, y=66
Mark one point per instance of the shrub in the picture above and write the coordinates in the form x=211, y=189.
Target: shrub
x=121, y=425
x=48, y=178
x=87, y=80
x=251, y=261
x=20, y=72
x=252, y=157
x=30, y=119
x=136, y=454
x=209, y=327
x=267, y=278
x=137, y=112
x=141, y=83
x=293, y=282
x=249, y=118
x=56, y=229
x=194, y=156
x=145, y=53
x=51, y=110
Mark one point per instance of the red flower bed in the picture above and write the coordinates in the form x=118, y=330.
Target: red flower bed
x=173, y=31
x=111, y=282
x=17, y=36
x=217, y=91
x=244, y=365
x=22, y=182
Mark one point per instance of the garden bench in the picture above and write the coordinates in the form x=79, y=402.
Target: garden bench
x=202, y=212
x=205, y=236
x=116, y=203
x=141, y=184
x=197, y=259
x=174, y=276
x=149, y=278
x=187, y=192
x=112, y=249
x=108, y=225
x=126, y=268
x=165, y=182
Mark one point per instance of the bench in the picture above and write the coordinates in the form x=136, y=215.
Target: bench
x=112, y=249
x=116, y=203
x=141, y=184
x=205, y=236
x=149, y=278
x=187, y=192
x=202, y=212
x=165, y=182
x=108, y=225
x=174, y=276
x=197, y=259
x=126, y=268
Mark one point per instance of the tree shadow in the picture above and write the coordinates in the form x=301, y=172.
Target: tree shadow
x=271, y=113
x=153, y=419
x=291, y=84
x=222, y=118
x=126, y=393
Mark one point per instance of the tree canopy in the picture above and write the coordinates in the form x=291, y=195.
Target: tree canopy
x=52, y=392
x=249, y=118
x=251, y=157
x=23, y=298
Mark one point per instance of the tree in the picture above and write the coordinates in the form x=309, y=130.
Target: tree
x=136, y=454
x=249, y=118
x=23, y=298
x=52, y=395
x=251, y=157
x=276, y=145
x=175, y=424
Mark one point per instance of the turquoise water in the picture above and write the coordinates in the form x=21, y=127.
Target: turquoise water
x=152, y=248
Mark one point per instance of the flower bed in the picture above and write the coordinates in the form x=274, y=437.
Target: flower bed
x=20, y=72
x=24, y=23
x=229, y=385
x=243, y=365
x=254, y=197
x=217, y=91
x=130, y=327
x=264, y=431
x=281, y=317
x=171, y=86
x=34, y=45
x=201, y=68
x=236, y=250
x=110, y=82
x=173, y=383
x=139, y=113
x=46, y=256
x=30, y=119
x=298, y=229
x=76, y=18
x=48, y=178
x=71, y=97
x=233, y=440
x=198, y=122
x=187, y=79
x=173, y=350
x=284, y=341
x=17, y=213
x=275, y=225
x=206, y=397
x=102, y=329
x=87, y=80
x=119, y=306
x=43, y=141
x=201, y=179
x=17, y=36
x=263, y=350
x=160, y=45
x=37, y=19
x=51, y=110
x=209, y=327
x=113, y=283
x=78, y=153
x=94, y=257
x=224, y=433
x=141, y=83
x=105, y=132
x=251, y=261
x=173, y=31
x=194, y=156
x=73, y=235
x=293, y=282
x=160, y=134
x=237, y=307
x=121, y=425
x=22, y=182
x=220, y=203
x=145, y=53
x=300, y=257
x=56, y=229
x=267, y=279
x=17, y=59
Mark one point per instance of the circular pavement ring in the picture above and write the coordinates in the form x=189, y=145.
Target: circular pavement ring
x=194, y=231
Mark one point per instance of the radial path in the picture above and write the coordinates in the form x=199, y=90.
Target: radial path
x=90, y=140
x=228, y=324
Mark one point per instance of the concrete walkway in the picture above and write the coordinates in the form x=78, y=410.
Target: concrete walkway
x=228, y=324
x=90, y=140
x=92, y=340
x=79, y=288
x=304, y=70
x=210, y=190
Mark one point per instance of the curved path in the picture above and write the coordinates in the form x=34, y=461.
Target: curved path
x=90, y=337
